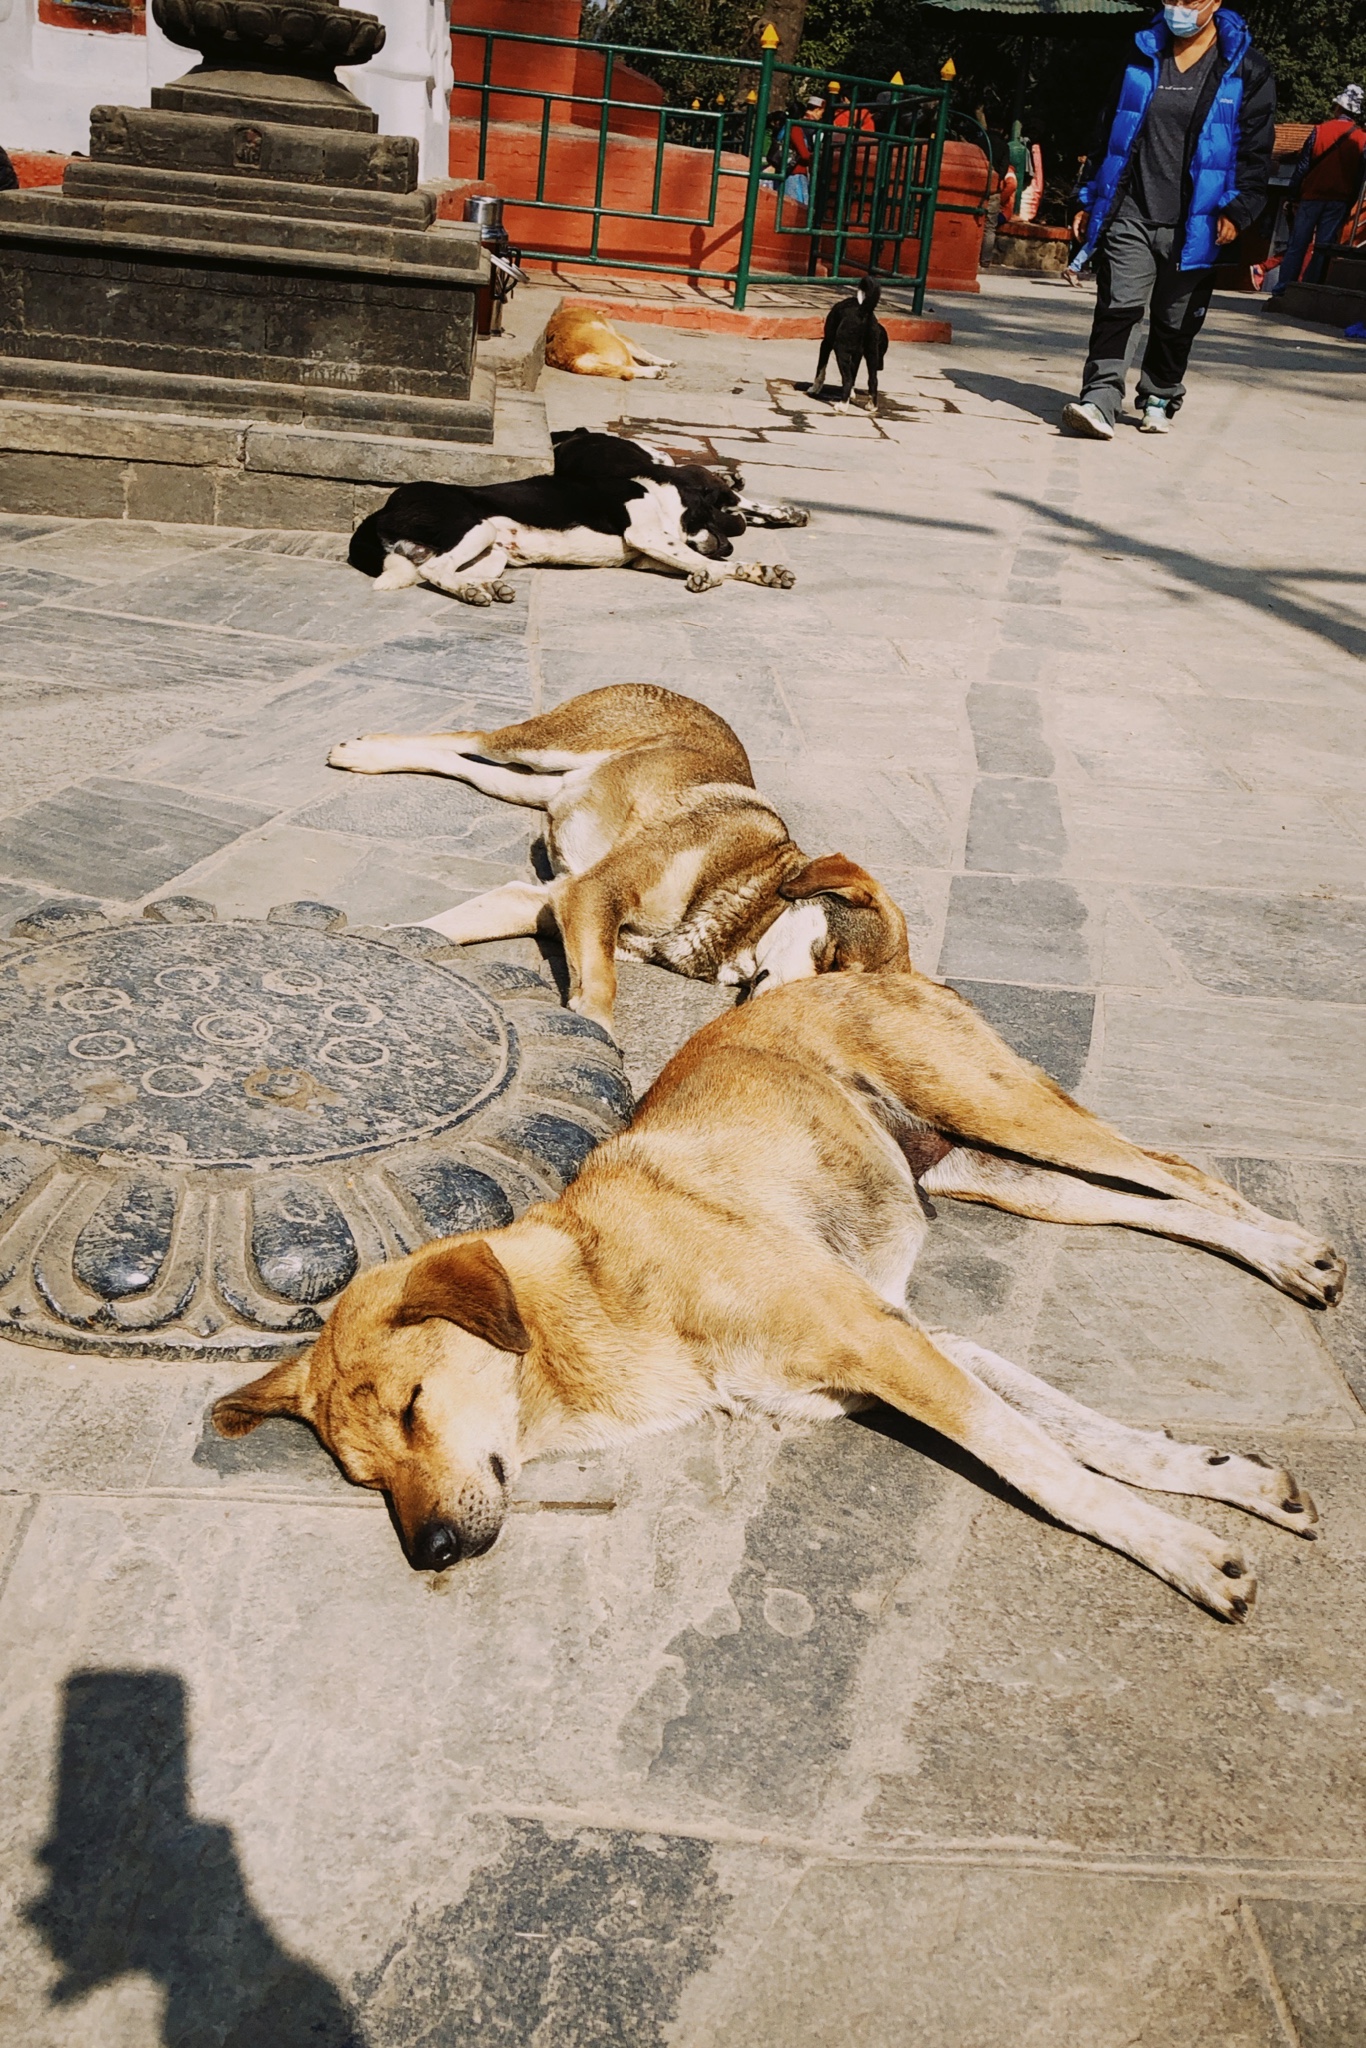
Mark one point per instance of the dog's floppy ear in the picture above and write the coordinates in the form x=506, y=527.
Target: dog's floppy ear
x=278, y=1392
x=464, y=1283
x=832, y=875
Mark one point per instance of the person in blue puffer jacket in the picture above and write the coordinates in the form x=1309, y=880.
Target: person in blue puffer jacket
x=1180, y=166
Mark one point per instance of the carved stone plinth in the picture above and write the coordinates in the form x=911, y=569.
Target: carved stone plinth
x=248, y=247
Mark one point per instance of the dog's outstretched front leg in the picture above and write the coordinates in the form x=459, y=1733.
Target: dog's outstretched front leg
x=880, y=1352
x=589, y=922
x=1139, y=1457
x=515, y=910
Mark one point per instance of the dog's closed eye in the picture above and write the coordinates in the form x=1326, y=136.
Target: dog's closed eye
x=408, y=1419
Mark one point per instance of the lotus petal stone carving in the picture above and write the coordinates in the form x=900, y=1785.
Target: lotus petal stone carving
x=271, y=34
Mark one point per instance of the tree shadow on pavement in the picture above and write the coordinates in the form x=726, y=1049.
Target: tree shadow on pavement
x=137, y=1884
x=1278, y=592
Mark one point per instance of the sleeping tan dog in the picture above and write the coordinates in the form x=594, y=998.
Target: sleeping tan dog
x=746, y=1244
x=583, y=341
x=663, y=849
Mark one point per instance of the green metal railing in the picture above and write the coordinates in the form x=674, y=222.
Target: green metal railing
x=865, y=178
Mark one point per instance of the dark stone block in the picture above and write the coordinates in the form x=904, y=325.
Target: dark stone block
x=275, y=315
x=1015, y=827
x=124, y=1245
x=300, y=1242
x=1007, y=731
x=762, y=1703
x=585, y=1936
x=119, y=839
x=1240, y=944
x=70, y=484
x=452, y=1198
x=163, y=491
x=1005, y=929
x=1049, y=1026
x=22, y=587
x=1317, y=1948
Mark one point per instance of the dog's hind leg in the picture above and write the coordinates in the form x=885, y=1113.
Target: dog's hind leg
x=873, y=1350
x=443, y=753
x=513, y=911
x=1139, y=1457
x=1208, y=1213
x=643, y=355
x=817, y=384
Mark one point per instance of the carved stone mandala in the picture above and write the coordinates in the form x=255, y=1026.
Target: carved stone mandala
x=206, y=1128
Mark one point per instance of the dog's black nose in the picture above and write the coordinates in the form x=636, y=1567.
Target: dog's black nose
x=435, y=1547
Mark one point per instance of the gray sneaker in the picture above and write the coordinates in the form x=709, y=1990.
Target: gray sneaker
x=1084, y=418
x=1155, y=418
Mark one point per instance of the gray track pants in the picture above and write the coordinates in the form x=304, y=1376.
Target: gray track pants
x=1136, y=271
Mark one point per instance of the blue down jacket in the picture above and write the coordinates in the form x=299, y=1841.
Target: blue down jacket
x=1228, y=159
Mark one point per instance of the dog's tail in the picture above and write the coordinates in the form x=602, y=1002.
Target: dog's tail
x=366, y=551
x=868, y=291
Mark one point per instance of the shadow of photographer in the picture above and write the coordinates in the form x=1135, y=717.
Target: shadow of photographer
x=137, y=1884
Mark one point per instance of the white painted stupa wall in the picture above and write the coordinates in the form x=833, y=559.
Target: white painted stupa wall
x=51, y=77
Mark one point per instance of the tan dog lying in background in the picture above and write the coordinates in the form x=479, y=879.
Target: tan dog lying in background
x=583, y=341
x=747, y=1244
x=663, y=849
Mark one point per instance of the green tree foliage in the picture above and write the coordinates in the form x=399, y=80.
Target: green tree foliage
x=1055, y=79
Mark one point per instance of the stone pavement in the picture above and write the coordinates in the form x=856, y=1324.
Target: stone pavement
x=787, y=1737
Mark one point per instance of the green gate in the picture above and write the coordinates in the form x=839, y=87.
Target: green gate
x=849, y=191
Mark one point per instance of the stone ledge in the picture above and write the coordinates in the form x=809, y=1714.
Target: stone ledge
x=37, y=379
x=77, y=462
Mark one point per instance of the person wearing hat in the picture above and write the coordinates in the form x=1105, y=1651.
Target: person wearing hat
x=1179, y=168
x=1324, y=182
x=800, y=148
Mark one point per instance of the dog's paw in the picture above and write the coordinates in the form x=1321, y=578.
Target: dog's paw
x=502, y=593
x=702, y=579
x=368, y=754
x=1220, y=1578
x=1304, y=1267
x=470, y=593
x=770, y=575
x=796, y=515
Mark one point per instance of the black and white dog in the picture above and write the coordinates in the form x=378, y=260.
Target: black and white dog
x=631, y=512
x=590, y=457
x=855, y=335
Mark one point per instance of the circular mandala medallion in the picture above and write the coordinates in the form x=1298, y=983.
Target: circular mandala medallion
x=206, y=1129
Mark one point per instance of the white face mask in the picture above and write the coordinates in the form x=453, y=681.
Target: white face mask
x=1182, y=21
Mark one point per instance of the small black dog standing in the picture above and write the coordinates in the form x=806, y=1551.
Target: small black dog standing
x=854, y=335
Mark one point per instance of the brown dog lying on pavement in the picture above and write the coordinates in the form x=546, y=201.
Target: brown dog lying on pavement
x=584, y=341
x=746, y=1244
x=663, y=849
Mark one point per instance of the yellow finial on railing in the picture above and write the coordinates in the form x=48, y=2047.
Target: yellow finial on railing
x=896, y=79
x=751, y=98
x=770, y=38
x=948, y=71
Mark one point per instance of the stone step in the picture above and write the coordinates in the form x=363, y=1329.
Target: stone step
x=87, y=462
x=1328, y=304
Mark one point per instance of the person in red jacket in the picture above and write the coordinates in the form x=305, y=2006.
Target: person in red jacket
x=1325, y=181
